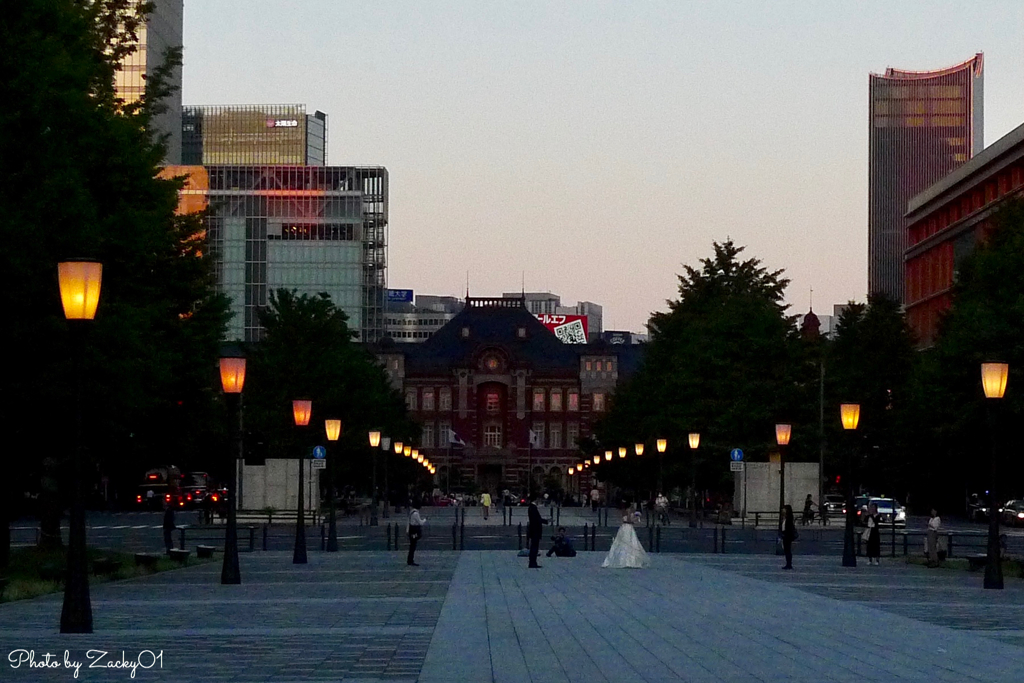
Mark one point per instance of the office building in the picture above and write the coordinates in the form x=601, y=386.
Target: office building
x=162, y=30
x=923, y=125
x=947, y=220
x=308, y=228
x=253, y=135
x=493, y=376
x=411, y=320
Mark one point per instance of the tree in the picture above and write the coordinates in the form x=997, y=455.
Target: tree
x=725, y=361
x=79, y=178
x=308, y=353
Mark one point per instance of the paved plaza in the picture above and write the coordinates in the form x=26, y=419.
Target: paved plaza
x=482, y=616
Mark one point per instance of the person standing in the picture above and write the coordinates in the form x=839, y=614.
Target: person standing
x=595, y=496
x=874, y=536
x=934, y=524
x=626, y=550
x=169, y=525
x=533, y=531
x=414, y=530
x=788, y=535
x=808, y=510
x=485, y=503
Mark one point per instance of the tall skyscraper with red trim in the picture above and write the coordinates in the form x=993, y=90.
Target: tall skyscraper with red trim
x=923, y=124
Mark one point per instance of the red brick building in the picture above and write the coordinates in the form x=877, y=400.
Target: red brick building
x=947, y=220
x=492, y=376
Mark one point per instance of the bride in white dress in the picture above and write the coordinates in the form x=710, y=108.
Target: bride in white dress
x=626, y=550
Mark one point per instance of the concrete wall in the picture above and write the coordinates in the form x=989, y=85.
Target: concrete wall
x=762, y=486
x=276, y=484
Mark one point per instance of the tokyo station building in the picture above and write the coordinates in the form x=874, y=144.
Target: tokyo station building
x=491, y=376
x=947, y=220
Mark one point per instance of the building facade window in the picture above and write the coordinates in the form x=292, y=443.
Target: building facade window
x=572, y=434
x=537, y=435
x=555, y=401
x=492, y=436
x=444, y=434
x=574, y=400
x=428, y=400
x=427, y=437
x=444, y=399
x=492, y=403
x=589, y=366
x=410, y=399
x=538, y=400
x=598, y=403
x=555, y=435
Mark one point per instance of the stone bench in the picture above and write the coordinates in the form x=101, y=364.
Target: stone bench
x=976, y=562
x=145, y=560
x=105, y=565
x=179, y=555
x=205, y=551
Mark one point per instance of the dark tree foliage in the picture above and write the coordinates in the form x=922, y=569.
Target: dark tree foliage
x=725, y=361
x=308, y=353
x=986, y=322
x=871, y=362
x=79, y=179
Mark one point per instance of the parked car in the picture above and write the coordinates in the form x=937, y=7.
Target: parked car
x=1013, y=513
x=885, y=510
x=835, y=504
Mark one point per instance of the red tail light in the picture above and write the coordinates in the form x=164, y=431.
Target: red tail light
x=167, y=497
x=214, y=496
x=138, y=499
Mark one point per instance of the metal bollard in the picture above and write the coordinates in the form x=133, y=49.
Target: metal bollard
x=650, y=537
x=520, y=532
x=389, y=535
x=593, y=537
x=723, y=540
x=462, y=534
x=715, y=542
x=264, y=537
x=181, y=538
x=323, y=538
x=252, y=538
x=905, y=548
x=657, y=540
x=396, y=535
x=894, y=534
x=585, y=537
x=455, y=529
x=558, y=516
x=859, y=538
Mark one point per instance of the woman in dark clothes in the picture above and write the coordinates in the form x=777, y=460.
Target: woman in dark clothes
x=874, y=549
x=788, y=535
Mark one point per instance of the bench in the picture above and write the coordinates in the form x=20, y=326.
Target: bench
x=179, y=555
x=976, y=562
x=204, y=551
x=105, y=565
x=145, y=560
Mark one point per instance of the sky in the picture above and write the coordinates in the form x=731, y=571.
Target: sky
x=591, y=149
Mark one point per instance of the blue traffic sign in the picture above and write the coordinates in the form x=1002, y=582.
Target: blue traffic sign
x=736, y=455
x=319, y=452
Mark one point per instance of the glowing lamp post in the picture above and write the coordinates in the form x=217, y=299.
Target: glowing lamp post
x=80, y=283
x=622, y=451
x=232, y=379
x=694, y=441
x=385, y=445
x=374, y=436
x=993, y=382
x=597, y=459
x=332, y=428
x=849, y=414
x=407, y=451
x=608, y=455
x=662, y=445
x=302, y=410
x=782, y=433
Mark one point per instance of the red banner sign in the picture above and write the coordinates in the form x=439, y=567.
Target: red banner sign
x=570, y=329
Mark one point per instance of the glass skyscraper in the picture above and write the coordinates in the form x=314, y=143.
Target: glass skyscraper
x=162, y=30
x=308, y=228
x=923, y=124
x=253, y=135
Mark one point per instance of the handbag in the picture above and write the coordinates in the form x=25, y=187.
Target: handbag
x=866, y=534
x=415, y=532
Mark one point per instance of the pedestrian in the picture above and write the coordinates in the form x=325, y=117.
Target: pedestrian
x=932, y=539
x=595, y=496
x=788, y=534
x=808, y=516
x=824, y=514
x=873, y=536
x=533, y=530
x=169, y=526
x=485, y=503
x=414, y=530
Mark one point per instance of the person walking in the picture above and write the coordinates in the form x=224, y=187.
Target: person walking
x=533, y=531
x=808, y=516
x=788, y=534
x=873, y=536
x=932, y=539
x=485, y=503
x=414, y=530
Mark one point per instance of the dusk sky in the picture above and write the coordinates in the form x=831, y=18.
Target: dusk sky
x=596, y=147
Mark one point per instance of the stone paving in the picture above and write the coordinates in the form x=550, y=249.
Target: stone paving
x=483, y=616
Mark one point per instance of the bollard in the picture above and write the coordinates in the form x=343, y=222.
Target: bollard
x=584, y=537
x=520, y=532
x=894, y=534
x=389, y=535
x=858, y=544
x=181, y=538
x=723, y=540
x=323, y=538
x=650, y=537
x=510, y=516
x=396, y=535
x=715, y=543
x=455, y=530
x=905, y=548
x=593, y=537
x=264, y=537
x=462, y=533
x=657, y=540
x=558, y=516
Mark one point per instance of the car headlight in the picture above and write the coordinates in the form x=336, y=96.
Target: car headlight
x=901, y=515
x=1020, y=515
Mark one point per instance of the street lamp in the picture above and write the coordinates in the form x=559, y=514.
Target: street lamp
x=333, y=429
x=407, y=451
x=622, y=451
x=993, y=381
x=849, y=413
x=385, y=445
x=782, y=433
x=80, y=283
x=374, y=443
x=301, y=411
x=597, y=459
x=694, y=441
x=232, y=379
x=662, y=444
x=608, y=455
x=638, y=448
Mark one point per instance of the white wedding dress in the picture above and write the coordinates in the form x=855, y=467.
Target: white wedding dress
x=626, y=550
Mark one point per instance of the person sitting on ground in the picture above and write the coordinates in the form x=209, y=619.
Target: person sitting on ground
x=563, y=545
